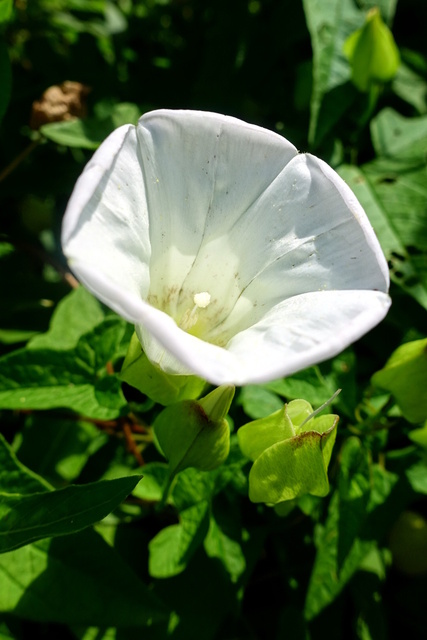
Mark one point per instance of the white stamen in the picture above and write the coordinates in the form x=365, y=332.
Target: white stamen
x=202, y=299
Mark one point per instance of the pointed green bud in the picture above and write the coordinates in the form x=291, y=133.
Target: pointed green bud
x=217, y=403
x=372, y=53
x=291, y=450
x=405, y=376
x=165, y=388
x=196, y=433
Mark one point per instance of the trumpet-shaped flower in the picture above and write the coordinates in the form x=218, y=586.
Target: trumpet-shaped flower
x=237, y=258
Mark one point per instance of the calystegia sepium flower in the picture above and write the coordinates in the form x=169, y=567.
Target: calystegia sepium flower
x=237, y=258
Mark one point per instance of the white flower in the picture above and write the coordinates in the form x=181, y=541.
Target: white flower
x=237, y=258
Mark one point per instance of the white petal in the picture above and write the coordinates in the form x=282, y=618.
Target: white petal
x=305, y=330
x=306, y=232
x=106, y=222
x=202, y=172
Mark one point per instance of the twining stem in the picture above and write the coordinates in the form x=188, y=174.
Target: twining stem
x=131, y=444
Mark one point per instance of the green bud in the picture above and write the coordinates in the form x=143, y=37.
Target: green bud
x=196, y=433
x=139, y=372
x=405, y=376
x=291, y=450
x=372, y=53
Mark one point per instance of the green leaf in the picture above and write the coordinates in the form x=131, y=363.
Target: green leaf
x=139, y=372
x=155, y=476
x=82, y=134
x=5, y=10
x=394, y=198
x=171, y=550
x=405, y=376
x=366, y=590
x=223, y=542
x=75, y=379
x=5, y=632
x=78, y=313
x=419, y=436
x=330, y=22
x=331, y=572
x=193, y=486
x=15, y=477
x=26, y=518
x=404, y=139
x=204, y=600
x=308, y=384
x=59, y=449
x=317, y=384
x=417, y=476
x=89, y=133
x=354, y=492
x=411, y=87
x=258, y=401
x=77, y=566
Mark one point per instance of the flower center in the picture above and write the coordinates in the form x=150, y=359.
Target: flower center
x=191, y=317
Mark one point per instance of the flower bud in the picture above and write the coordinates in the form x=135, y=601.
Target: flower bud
x=372, y=53
x=195, y=433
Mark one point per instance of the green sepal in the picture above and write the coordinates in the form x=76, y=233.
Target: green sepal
x=405, y=376
x=256, y=436
x=295, y=466
x=165, y=388
x=291, y=450
x=195, y=433
x=372, y=53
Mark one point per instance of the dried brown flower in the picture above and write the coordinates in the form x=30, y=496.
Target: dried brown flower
x=60, y=102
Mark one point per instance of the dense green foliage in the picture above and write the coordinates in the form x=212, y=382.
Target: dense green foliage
x=87, y=549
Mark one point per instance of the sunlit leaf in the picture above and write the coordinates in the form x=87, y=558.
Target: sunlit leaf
x=75, y=379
